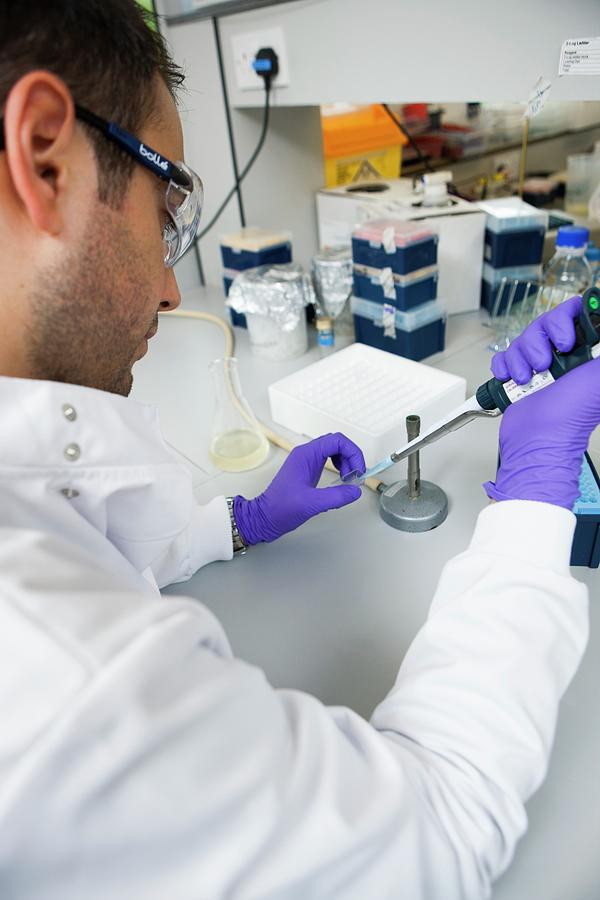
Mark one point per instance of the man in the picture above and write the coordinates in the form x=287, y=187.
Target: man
x=138, y=758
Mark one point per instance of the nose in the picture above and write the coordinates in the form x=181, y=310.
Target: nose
x=171, y=296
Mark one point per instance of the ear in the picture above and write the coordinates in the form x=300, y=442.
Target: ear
x=39, y=130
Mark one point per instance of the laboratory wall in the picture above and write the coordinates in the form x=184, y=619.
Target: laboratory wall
x=205, y=135
x=279, y=192
x=386, y=50
x=345, y=50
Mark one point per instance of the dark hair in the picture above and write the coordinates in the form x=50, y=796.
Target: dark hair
x=108, y=55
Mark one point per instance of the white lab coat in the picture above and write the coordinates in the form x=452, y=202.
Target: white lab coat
x=140, y=761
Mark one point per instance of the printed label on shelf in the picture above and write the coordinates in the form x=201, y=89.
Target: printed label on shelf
x=516, y=392
x=580, y=56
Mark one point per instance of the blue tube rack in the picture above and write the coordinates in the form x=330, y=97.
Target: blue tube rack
x=586, y=540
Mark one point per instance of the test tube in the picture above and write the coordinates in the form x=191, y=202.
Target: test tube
x=496, y=307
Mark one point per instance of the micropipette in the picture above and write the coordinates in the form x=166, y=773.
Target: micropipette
x=494, y=396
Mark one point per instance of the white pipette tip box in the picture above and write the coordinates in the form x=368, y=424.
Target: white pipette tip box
x=365, y=393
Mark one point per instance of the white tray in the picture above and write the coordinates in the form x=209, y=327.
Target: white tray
x=365, y=393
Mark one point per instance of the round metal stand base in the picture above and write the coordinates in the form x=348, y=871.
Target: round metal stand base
x=425, y=512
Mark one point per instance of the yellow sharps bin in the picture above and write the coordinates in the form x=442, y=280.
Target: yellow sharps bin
x=362, y=145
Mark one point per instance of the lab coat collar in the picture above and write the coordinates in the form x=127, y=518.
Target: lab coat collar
x=92, y=468
x=66, y=426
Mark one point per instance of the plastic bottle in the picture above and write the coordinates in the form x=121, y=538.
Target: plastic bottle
x=325, y=336
x=592, y=254
x=568, y=272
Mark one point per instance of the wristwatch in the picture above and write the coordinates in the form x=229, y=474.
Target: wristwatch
x=239, y=547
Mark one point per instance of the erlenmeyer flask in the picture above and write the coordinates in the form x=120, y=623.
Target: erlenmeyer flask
x=236, y=441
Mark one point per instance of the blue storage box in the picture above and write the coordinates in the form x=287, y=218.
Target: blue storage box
x=505, y=214
x=586, y=540
x=401, y=246
x=402, y=291
x=414, y=335
x=514, y=232
x=237, y=319
x=514, y=248
x=493, y=279
x=252, y=247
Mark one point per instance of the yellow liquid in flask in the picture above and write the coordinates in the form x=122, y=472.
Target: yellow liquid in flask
x=239, y=450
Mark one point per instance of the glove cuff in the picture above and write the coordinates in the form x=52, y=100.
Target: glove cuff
x=252, y=523
x=244, y=525
x=540, y=490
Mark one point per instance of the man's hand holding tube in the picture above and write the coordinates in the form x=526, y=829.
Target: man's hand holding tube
x=544, y=436
x=293, y=496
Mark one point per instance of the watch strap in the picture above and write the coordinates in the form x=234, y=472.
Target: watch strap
x=239, y=546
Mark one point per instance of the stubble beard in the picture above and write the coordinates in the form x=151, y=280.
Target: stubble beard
x=86, y=324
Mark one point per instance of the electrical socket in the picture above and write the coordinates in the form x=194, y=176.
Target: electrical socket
x=246, y=46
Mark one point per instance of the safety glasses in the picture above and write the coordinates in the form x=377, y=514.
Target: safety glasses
x=184, y=193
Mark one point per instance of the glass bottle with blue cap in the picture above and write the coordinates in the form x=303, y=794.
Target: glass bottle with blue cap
x=592, y=254
x=568, y=273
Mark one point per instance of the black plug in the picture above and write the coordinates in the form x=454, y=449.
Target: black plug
x=266, y=65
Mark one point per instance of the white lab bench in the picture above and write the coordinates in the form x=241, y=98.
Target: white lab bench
x=332, y=608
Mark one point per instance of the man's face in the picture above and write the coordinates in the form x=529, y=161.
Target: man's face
x=93, y=311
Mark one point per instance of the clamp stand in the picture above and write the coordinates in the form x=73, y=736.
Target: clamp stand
x=413, y=505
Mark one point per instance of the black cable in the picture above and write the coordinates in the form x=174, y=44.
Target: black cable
x=199, y=264
x=234, y=160
x=423, y=159
x=247, y=167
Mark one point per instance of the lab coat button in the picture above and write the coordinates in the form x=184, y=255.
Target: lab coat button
x=69, y=412
x=69, y=493
x=72, y=452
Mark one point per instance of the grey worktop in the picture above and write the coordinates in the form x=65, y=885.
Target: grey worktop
x=332, y=608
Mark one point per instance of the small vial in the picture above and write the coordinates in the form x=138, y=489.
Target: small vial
x=325, y=336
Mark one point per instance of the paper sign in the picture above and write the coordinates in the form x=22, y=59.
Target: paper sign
x=580, y=56
x=537, y=98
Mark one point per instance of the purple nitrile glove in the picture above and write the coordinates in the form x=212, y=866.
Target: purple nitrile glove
x=532, y=350
x=543, y=436
x=293, y=496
